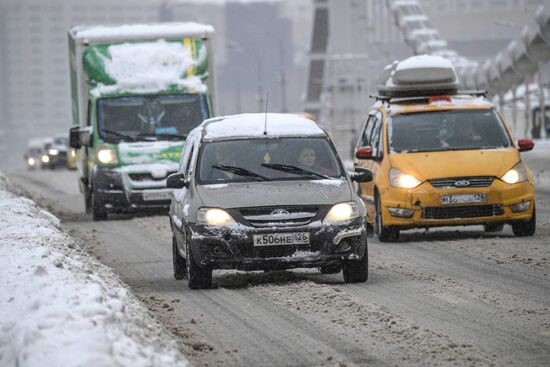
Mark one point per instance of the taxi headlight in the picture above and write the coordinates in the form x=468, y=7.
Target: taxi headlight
x=53, y=151
x=515, y=175
x=106, y=156
x=342, y=212
x=402, y=180
x=214, y=217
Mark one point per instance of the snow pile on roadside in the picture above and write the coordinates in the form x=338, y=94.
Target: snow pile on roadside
x=61, y=307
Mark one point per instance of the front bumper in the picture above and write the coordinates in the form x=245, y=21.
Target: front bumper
x=425, y=201
x=233, y=248
x=114, y=195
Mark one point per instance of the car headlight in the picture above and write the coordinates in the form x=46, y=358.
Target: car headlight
x=53, y=152
x=342, y=212
x=45, y=159
x=31, y=161
x=214, y=217
x=106, y=156
x=515, y=175
x=402, y=180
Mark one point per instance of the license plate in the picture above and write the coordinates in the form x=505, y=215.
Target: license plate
x=463, y=198
x=280, y=239
x=156, y=195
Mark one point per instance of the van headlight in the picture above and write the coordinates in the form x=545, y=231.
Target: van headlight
x=515, y=175
x=214, y=217
x=106, y=156
x=402, y=180
x=342, y=212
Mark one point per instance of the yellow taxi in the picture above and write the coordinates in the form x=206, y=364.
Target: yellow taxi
x=441, y=159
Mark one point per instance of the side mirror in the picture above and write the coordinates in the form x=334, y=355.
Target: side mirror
x=525, y=145
x=176, y=181
x=362, y=175
x=363, y=153
x=74, y=137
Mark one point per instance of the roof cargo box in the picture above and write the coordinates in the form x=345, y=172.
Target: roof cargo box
x=418, y=76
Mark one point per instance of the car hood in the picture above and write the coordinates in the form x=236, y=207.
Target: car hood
x=460, y=163
x=251, y=194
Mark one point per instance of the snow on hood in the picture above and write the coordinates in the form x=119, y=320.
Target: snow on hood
x=149, y=67
x=268, y=193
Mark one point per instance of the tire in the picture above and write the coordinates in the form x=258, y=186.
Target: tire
x=526, y=229
x=330, y=269
x=493, y=227
x=197, y=277
x=98, y=213
x=178, y=261
x=356, y=271
x=385, y=234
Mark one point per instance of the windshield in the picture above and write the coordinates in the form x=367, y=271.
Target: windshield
x=61, y=141
x=150, y=117
x=446, y=130
x=267, y=160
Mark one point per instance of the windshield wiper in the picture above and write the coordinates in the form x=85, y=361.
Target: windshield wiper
x=120, y=135
x=239, y=171
x=295, y=170
x=176, y=136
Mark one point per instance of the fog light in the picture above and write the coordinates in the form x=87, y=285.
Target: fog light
x=343, y=246
x=521, y=207
x=401, y=212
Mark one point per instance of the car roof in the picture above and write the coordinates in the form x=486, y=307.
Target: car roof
x=259, y=125
x=422, y=104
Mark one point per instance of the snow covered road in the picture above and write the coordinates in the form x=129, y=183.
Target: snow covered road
x=449, y=296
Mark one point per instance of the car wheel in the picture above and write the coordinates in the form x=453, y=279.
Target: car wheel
x=98, y=213
x=526, y=229
x=197, y=277
x=493, y=227
x=385, y=234
x=356, y=271
x=178, y=261
x=330, y=269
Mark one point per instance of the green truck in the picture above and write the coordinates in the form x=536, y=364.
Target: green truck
x=137, y=91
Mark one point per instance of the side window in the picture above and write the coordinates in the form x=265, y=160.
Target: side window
x=375, y=136
x=186, y=157
x=365, y=137
x=89, y=114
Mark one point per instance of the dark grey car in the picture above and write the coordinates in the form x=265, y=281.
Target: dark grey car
x=261, y=192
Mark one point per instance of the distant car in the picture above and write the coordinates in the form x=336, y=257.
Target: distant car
x=261, y=192
x=55, y=152
x=33, y=153
x=441, y=158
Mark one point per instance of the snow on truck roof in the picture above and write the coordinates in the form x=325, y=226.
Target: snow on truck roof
x=126, y=32
x=253, y=124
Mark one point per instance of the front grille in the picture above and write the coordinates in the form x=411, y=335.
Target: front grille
x=146, y=177
x=450, y=182
x=279, y=216
x=456, y=212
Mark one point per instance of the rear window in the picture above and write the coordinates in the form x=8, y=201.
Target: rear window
x=446, y=130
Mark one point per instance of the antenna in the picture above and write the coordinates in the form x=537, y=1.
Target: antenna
x=265, y=122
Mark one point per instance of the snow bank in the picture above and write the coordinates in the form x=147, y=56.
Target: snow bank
x=60, y=307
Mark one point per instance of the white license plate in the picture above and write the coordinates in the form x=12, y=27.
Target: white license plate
x=463, y=198
x=156, y=195
x=279, y=239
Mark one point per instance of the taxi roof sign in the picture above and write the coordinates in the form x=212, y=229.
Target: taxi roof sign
x=418, y=76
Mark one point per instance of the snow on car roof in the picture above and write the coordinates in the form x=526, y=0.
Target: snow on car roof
x=141, y=31
x=252, y=125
